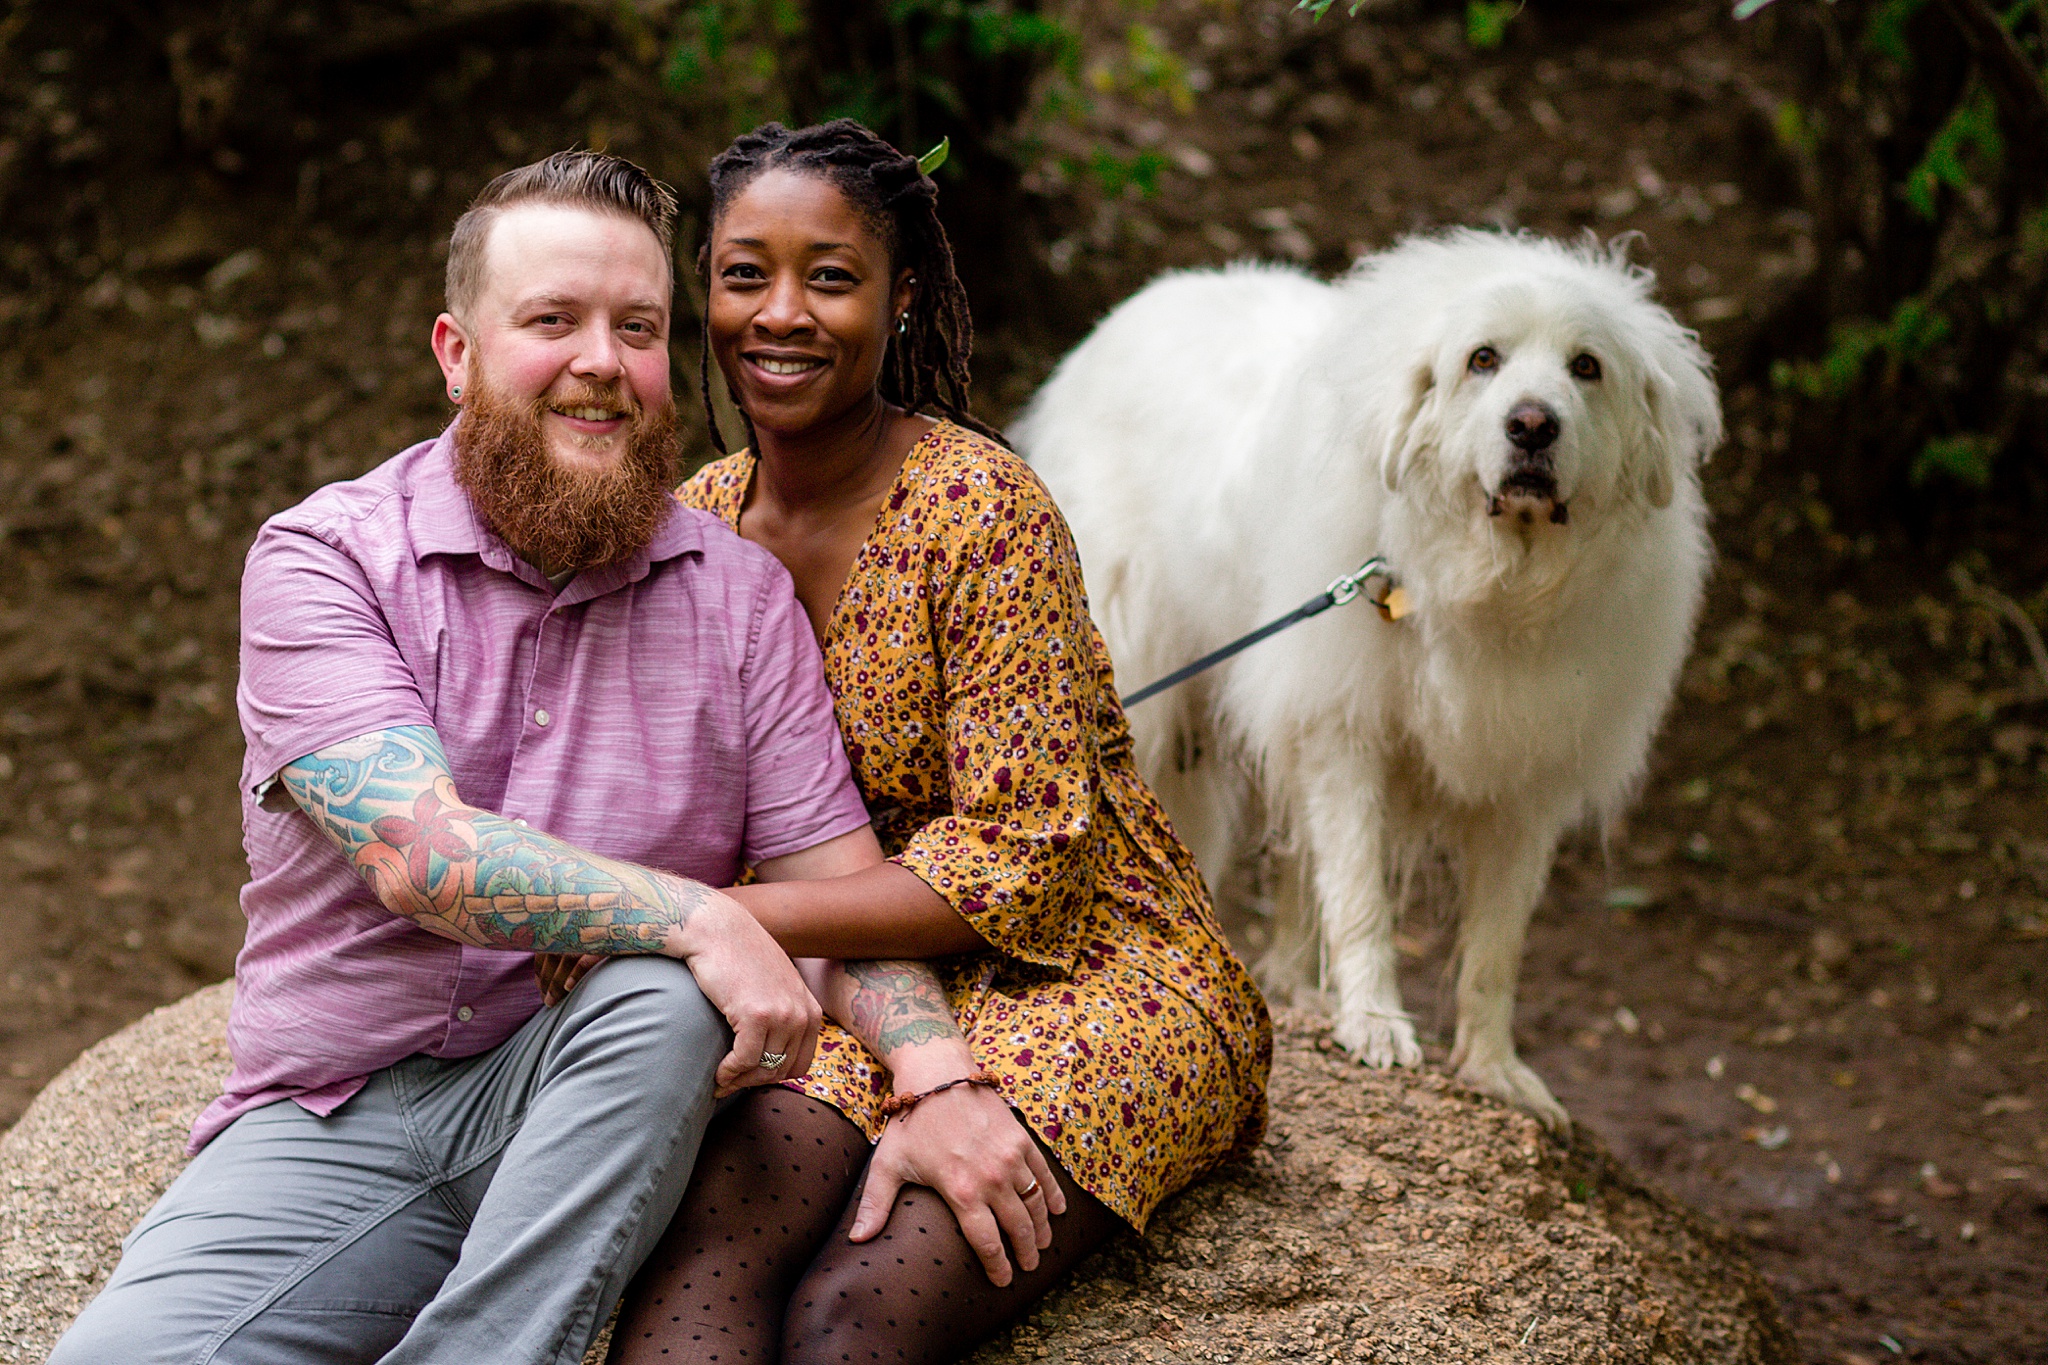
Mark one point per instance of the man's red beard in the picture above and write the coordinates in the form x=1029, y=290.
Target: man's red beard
x=565, y=519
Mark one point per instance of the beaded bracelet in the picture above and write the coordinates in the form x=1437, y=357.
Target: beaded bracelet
x=903, y=1104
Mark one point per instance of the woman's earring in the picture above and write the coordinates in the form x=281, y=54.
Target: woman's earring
x=903, y=322
x=456, y=393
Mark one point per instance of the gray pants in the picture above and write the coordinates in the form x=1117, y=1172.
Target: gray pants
x=490, y=1208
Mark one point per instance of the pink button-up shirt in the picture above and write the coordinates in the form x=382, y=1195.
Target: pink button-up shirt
x=670, y=710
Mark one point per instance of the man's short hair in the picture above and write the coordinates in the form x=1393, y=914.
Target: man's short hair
x=590, y=180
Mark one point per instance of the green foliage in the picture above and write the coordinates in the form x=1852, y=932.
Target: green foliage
x=1969, y=136
x=1318, y=8
x=1795, y=129
x=1114, y=173
x=728, y=52
x=737, y=51
x=1885, y=30
x=1150, y=68
x=1967, y=459
x=1914, y=329
x=699, y=46
x=1486, y=22
x=2034, y=238
x=1958, y=257
x=994, y=30
x=1146, y=71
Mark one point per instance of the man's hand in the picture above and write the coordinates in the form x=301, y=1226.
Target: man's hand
x=749, y=979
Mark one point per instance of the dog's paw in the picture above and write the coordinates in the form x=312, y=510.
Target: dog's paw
x=1511, y=1080
x=1378, y=1040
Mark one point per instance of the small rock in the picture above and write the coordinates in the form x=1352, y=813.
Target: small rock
x=1756, y=1099
x=1934, y=1185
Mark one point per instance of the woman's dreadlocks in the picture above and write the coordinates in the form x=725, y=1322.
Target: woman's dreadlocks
x=926, y=363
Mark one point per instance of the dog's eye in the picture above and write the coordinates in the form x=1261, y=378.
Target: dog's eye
x=1485, y=360
x=1585, y=366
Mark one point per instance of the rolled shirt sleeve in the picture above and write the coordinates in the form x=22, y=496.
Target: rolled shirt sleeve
x=1012, y=626
x=800, y=790
x=318, y=661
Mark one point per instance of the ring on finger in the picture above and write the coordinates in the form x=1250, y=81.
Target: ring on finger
x=771, y=1060
x=1028, y=1190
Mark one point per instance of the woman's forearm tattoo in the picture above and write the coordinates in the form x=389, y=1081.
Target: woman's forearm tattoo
x=388, y=800
x=898, y=1005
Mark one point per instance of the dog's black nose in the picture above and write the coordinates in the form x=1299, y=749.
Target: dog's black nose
x=1532, y=427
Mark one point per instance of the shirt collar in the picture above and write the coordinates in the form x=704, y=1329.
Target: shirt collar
x=444, y=521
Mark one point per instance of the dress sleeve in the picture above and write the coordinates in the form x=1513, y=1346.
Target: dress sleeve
x=1010, y=627
x=319, y=663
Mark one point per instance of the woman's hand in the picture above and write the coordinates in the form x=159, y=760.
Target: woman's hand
x=966, y=1144
x=963, y=1142
x=558, y=973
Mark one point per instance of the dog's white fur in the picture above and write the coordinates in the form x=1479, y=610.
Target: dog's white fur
x=1226, y=442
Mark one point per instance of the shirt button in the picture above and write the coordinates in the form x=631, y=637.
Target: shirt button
x=465, y=1014
x=541, y=718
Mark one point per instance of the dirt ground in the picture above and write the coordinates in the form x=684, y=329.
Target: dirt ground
x=1804, y=989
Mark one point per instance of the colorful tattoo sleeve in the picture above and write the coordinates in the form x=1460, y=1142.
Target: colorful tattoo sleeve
x=898, y=1005
x=467, y=874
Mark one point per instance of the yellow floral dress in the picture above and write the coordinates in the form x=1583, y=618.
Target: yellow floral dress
x=981, y=716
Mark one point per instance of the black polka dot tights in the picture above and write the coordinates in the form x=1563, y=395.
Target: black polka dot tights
x=756, y=1268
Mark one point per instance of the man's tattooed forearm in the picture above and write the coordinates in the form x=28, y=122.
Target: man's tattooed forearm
x=899, y=1004
x=478, y=877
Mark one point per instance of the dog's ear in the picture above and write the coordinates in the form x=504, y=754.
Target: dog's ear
x=1413, y=429
x=1656, y=460
x=1680, y=426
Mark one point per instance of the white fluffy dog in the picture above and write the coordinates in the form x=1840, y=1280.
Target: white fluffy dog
x=1517, y=428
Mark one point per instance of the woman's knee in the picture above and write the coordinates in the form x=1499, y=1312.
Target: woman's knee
x=916, y=1293
x=825, y=1325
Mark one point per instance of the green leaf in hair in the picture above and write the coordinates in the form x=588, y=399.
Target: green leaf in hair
x=936, y=157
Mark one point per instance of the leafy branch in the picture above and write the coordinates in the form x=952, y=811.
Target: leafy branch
x=1934, y=271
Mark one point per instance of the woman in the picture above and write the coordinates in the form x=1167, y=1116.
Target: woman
x=1066, y=1038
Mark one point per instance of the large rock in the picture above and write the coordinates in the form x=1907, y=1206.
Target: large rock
x=1388, y=1217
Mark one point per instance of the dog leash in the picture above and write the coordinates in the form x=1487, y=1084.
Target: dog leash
x=1392, y=604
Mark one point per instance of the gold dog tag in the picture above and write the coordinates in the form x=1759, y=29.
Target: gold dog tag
x=1393, y=603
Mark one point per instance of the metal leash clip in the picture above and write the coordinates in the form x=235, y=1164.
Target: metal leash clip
x=1391, y=600
x=1347, y=586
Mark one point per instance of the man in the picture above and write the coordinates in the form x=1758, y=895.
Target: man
x=487, y=689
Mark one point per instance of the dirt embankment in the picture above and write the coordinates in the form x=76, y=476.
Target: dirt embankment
x=1805, y=990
